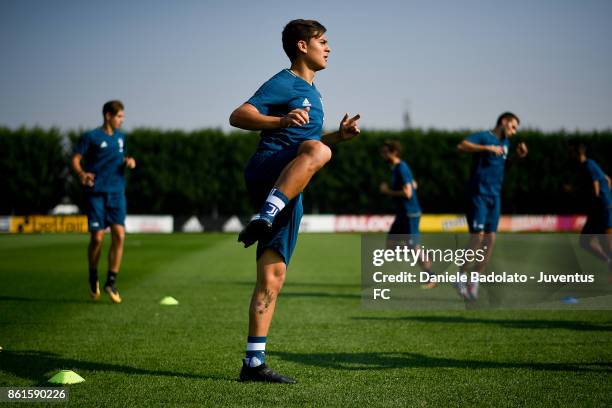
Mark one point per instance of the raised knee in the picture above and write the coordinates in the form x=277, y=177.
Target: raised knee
x=324, y=153
x=318, y=152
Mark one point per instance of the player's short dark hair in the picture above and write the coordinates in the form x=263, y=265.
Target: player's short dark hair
x=507, y=115
x=393, y=145
x=300, y=30
x=578, y=146
x=112, y=107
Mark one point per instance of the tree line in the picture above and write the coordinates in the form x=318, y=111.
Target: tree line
x=201, y=172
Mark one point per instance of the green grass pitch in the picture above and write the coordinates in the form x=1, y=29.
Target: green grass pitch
x=142, y=354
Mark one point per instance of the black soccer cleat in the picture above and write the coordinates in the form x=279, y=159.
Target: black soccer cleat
x=255, y=229
x=263, y=373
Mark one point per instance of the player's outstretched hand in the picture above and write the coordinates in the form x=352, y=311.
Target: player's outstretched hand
x=130, y=163
x=521, y=150
x=296, y=117
x=384, y=188
x=349, y=127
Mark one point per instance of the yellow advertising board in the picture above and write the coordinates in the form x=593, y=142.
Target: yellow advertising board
x=443, y=223
x=48, y=223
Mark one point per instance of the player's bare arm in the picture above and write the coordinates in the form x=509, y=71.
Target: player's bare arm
x=405, y=192
x=469, y=147
x=596, y=188
x=247, y=117
x=348, y=129
x=87, y=179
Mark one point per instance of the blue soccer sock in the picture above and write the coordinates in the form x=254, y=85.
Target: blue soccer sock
x=255, y=351
x=274, y=204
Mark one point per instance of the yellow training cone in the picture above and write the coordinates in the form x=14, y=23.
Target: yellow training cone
x=169, y=301
x=66, y=377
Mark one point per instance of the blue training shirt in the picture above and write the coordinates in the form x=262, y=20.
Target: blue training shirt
x=597, y=174
x=400, y=176
x=487, y=172
x=104, y=156
x=280, y=95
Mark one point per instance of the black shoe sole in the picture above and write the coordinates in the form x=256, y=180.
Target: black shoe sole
x=287, y=381
x=264, y=374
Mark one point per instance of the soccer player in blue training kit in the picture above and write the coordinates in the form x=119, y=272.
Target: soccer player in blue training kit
x=103, y=151
x=490, y=151
x=403, y=190
x=595, y=185
x=288, y=110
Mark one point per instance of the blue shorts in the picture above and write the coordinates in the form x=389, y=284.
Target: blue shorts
x=598, y=221
x=483, y=213
x=260, y=174
x=408, y=226
x=105, y=209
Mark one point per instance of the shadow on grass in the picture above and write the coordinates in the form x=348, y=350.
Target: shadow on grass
x=390, y=360
x=323, y=284
x=321, y=294
x=505, y=323
x=298, y=284
x=34, y=365
x=48, y=300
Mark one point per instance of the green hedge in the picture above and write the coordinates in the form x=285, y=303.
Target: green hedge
x=201, y=172
x=33, y=170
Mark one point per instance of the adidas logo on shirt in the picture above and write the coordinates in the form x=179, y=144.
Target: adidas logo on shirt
x=306, y=103
x=103, y=145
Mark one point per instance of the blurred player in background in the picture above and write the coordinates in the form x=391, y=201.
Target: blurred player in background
x=489, y=151
x=594, y=188
x=288, y=110
x=103, y=151
x=403, y=190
